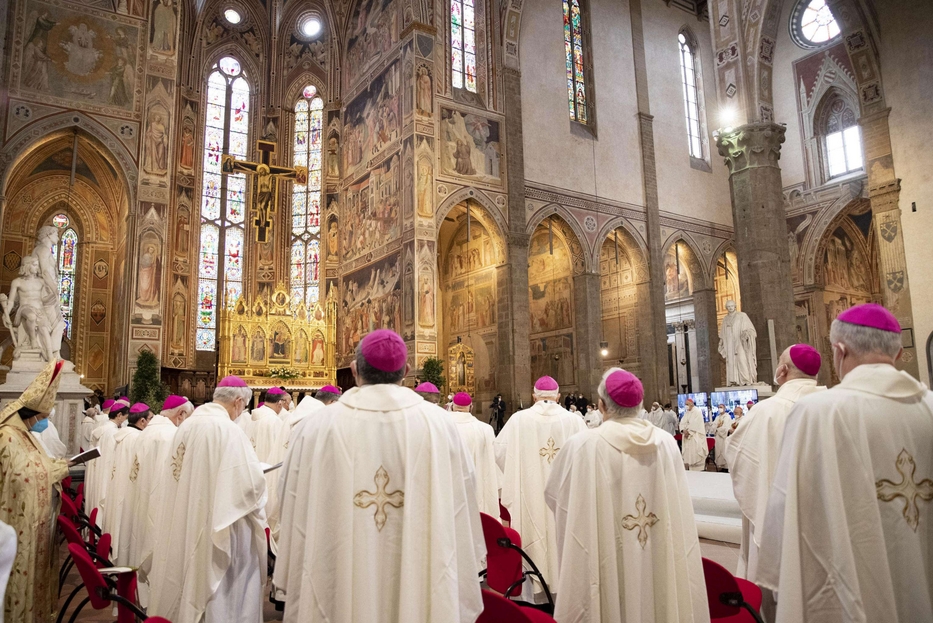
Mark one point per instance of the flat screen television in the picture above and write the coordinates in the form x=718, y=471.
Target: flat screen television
x=700, y=400
x=732, y=398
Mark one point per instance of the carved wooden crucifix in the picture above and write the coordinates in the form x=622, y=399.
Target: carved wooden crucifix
x=265, y=185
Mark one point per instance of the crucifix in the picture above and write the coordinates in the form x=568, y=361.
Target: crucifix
x=265, y=189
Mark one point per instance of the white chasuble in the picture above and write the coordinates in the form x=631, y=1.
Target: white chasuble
x=109, y=442
x=144, y=493
x=627, y=541
x=269, y=436
x=693, y=442
x=307, y=406
x=88, y=424
x=479, y=438
x=722, y=426
x=92, y=475
x=849, y=524
x=379, y=517
x=124, y=457
x=209, y=552
x=751, y=453
x=525, y=451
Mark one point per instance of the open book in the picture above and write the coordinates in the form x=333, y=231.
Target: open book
x=85, y=456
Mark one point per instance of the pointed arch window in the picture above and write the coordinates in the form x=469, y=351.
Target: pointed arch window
x=65, y=254
x=842, y=138
x=689, y=77
x=223, y=197
x=306, y=200
x=575, y=54
x=463, y=44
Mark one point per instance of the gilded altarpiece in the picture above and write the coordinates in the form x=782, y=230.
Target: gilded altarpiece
x=258, y=337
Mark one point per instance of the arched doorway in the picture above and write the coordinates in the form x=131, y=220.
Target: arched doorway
x=622, y=270
x=683, y=275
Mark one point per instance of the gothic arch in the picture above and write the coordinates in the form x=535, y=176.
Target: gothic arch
x=299, y=82
x=840, y=220
x=698, y=272
x=631, y=241
x=579, y=246
x=478, y=196
x=826, y=222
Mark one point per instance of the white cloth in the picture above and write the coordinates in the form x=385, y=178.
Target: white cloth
x=669, y=422
x=693, y=442
x=95, y=467
x=88, y=424
x=848, y=529
x=124, y=458
x=593, y=418
x=525, y=451
x=348, y=553
x=656, y=416
x=104, y=474
x=751, y=454
x=609, y=489
x=307, y=406
x=7, y=556
x=144, y=493
x=722, y=426
x=210, y=537
x=269, y=436
x=478, y=437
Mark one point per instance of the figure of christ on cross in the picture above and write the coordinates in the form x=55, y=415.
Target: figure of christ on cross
x=265, y=187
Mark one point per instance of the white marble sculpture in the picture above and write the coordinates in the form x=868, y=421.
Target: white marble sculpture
x=32, y=311
x=737, y=346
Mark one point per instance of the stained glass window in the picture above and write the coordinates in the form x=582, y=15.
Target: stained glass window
x=817, y=23
x=66, y=256
x=463, y=44
x=573, y=50
x=306, y=199
x=688, y=76
x=223, y=197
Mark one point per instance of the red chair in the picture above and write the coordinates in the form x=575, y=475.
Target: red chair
x=106, y=586
x=156, y=620
x=505, y=516
x=728, y=596
x=504, y=555
x=98, y=553
x=498, y=609
x=72, y=511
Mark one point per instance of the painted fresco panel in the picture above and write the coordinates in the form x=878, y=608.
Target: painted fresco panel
x=373, y=30
x=371, y=217
x=372, y=299
x=470, y=146
x=550, y=283
x=372, y=120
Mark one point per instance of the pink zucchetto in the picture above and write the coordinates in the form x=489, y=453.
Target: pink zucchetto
x=108, y=404
x=139, y=407
x=275, y=391
x=625, y=389
x=384, y=350
x=232, y=381
x=330, y=389
x=462, y=399
x=173, y=402
x=806, y=358
x=871, y=315
x=546, y=384
x=427, y=388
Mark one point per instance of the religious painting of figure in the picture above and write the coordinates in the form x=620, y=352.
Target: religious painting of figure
x=373, y=30
x=471, y=303
x=553, y=356
x=845, y=263
x=426, y=302
x=549, y=283
x=317, y=350
x=301, y=348
x=470, y=146
x=371, y=300
x=333, y=158
x=155, y=141
x=424, y=87
x=280, y=343
x=35, y=60
x=163, y=28
x=257, y=348
x=372, y=216
x=238, y=347
x=333, y=241
x=466, y=256
x=186, y=151
x=677, y=281
x=425, y=187
x=181, y=232
x=265, y=254
x=149, y=272
x=179, y=316
x=372, y=120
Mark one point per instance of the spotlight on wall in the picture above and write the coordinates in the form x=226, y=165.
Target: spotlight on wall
x=727, y=117
x=604, y=348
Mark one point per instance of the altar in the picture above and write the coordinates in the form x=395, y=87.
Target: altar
x=279, y=341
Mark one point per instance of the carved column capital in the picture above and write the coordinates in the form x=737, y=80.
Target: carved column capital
x=751, y=146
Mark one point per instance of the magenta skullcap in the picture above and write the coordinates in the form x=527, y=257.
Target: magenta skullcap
x=261, y=404
x=750, y=402
x=330, y=389
x=232, y=381
x=125, y=399
x=108, y=403
x=384, y=350
x=871, y=315
x=546, y=384
x=625, y=389
x=806, y=358
x=139, y=407
x=427, y=388
x=173, y=402
x=275, y=391
x=462, y=399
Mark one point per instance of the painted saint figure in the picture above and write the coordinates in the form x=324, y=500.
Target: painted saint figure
x=148, y=278
x=35, y=55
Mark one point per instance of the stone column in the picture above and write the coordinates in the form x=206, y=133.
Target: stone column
x=588, y=324
x=707, y=336
x=752, y=152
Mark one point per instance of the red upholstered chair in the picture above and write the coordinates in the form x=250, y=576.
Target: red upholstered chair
x=505, y=516
x=80, y=491
x=99, y=552
x=498, y=609
x=504, y=572
x=106, y=586
x=156, y=620
x=72, y=511
x=731, y=599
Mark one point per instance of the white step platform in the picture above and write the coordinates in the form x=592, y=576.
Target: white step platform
x=716, y=510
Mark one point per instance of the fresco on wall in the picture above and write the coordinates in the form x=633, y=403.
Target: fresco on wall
x=79, y=57
x=550, y=285
x=678, y=282
x=845, y=265
x=163, y=28
x=373, y=30
x=372, y=211
x=619, y=297
x=470, y=146
x=149, y=272
x=424, y=170
x=467, y=256
x=471, y=304
x=727, y=284
x=372, y=120
x=371, y=300
x=553, y=356
x=427, y=293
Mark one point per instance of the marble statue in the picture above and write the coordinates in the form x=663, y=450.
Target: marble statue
x=737, y=346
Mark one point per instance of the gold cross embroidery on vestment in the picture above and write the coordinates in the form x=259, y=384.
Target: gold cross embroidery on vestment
x=380, y=498
x=640, y=521
x=549, y=451
x=907, y=488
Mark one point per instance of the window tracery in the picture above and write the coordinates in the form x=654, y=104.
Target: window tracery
x=305, y=259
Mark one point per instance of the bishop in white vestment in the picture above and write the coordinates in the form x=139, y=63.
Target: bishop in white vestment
x=627, y=541
x=209, y=552
x=88, y=424
x=478, y=437
x=693, y=442
x=99, y=478
x=849, y=525
x=429, y=392
x=525, y=451
x=379, y=517
x=269, y=436
x=722, y=426
x=752, y=450
x=124, y=473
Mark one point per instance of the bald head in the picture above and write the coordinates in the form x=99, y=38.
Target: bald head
x=787, y=371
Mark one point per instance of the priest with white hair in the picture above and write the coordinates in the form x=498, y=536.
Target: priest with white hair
x=379, y=517
x=479, y=438
x=209, y=551
x=103, y=470
x=88, y=424
x=146, y=480
x=525, y=451
x=626, y=536
x=693, y=442
x=848, y=528
x=269, y=436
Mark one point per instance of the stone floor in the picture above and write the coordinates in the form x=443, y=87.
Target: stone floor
x=725, y=554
